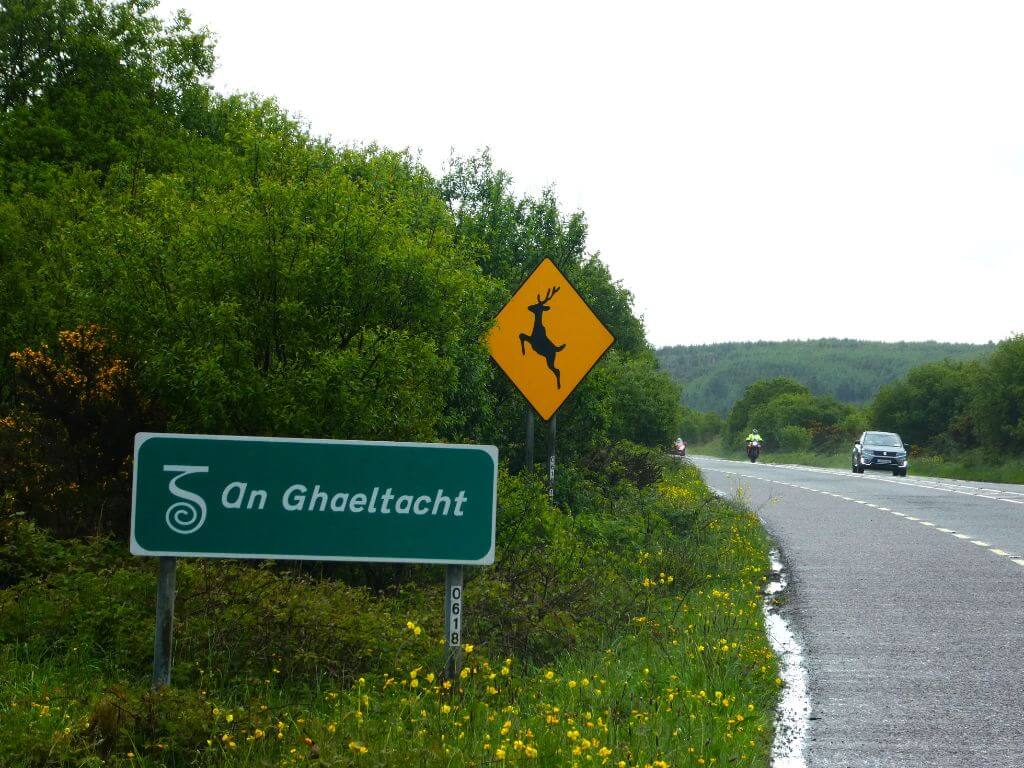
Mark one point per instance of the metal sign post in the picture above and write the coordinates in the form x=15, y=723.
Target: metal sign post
x=162, y=642
x=453, y=621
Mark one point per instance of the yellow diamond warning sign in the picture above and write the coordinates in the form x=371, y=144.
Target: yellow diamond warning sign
x=546, y=339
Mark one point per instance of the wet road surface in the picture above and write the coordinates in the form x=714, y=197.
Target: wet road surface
x=907, y=595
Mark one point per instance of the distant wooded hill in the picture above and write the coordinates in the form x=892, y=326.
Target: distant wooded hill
x=715, y=375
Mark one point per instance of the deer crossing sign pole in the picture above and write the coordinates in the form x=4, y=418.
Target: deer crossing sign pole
x=547, y=346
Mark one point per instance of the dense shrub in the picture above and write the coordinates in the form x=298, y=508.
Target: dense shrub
x=559, y=581
x=758, y=394
x=997, y=405
x=697, y=427
x=794, y=438
x=927, y=403
x=65, y=449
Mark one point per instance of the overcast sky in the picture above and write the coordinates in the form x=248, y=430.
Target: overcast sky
x=749, y=170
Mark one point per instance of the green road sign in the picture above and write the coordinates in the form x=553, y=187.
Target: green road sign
x=281, y=498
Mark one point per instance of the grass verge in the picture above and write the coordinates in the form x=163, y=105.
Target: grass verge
x=675, y=670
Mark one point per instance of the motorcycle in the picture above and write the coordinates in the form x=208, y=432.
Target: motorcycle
x=680, y=448
x=753, y=450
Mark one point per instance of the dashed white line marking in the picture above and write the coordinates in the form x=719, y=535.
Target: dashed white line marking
x=924, y=482
x=962, y=536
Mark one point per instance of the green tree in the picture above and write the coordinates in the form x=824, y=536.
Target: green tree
x=821, y=417
x=697, y=427
x=757, y=394
x=924, y=407
x=998, y=402
x=795, y=438
x=94, y=83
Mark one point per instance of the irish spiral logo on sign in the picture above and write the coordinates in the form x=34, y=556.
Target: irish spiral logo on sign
x=253, y=497
x=188, y=514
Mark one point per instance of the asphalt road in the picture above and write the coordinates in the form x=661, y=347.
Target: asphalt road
x=908, y=597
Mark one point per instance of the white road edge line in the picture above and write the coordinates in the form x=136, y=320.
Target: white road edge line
x=792, y=715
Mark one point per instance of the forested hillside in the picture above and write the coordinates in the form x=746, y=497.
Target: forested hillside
x=715, y=375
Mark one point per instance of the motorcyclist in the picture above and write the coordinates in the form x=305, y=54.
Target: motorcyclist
x=754, y=435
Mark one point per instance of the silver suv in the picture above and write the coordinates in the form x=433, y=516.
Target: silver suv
x=880, y=450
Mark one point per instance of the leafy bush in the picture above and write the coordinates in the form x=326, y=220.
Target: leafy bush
x=697, y=427
x=997, y=405
x=757, y=395
x=925, y=404
x=65, y=451
x=794, y=438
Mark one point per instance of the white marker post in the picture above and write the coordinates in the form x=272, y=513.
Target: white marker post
x=552, y=440
x=453, y=622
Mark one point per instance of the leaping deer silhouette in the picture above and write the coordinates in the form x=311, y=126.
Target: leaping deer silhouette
x=538, y=337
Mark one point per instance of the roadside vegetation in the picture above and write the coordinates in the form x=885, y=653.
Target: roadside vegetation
x=627, y=633
x=173, y=259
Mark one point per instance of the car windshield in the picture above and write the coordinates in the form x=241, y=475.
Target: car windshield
x=882, y=438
